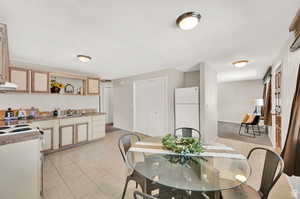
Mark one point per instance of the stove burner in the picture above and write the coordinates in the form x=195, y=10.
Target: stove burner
x=20, y=130
x=4, y=127
x=21, y=125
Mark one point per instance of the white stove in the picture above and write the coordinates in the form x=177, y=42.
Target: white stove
x=16, y=129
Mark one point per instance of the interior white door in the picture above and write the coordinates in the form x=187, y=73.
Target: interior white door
x=107, y=103
x=150, y=106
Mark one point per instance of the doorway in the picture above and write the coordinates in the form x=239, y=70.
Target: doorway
x=150, y=106
x=107, y=101
x=278, y=79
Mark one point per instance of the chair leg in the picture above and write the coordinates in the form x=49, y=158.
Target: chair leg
x=253, y=130
x=240, y=129
x=247, y=129
x=259, y=130
x=125, y=188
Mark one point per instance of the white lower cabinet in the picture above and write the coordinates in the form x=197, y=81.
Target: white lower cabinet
x=48, y=139
x=82, y=131
x=60, y=133
x=66, y=135
x=98, y=128
x=51, y=134
x=21, y=170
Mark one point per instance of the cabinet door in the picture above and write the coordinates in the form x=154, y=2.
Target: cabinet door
x=66, y=135
x=20, y=77
x=93, y=86
x=39, y=82
x=98, y=126
x=4, y=55
x=81, y=132
x=47, y=139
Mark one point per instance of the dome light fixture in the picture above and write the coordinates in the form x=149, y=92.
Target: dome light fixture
x=240, y=63
x=188, y=20
x=84, y=58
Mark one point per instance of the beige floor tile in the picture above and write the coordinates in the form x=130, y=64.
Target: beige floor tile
x=96, y=195
x=58, y=192
x=97, y=171
x=82, y=186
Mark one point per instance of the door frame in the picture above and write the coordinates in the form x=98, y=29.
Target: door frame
x=102, y=88
x=166, y=98
x=277, y=117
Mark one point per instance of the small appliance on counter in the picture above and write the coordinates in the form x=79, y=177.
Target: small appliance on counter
x=9, y=115
x=56, y=113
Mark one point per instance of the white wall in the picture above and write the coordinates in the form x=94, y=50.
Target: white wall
x=47, y=102
x=235, y=99
x=208, y=103
x=123, y=97
x=192, y=79
x=290, y=64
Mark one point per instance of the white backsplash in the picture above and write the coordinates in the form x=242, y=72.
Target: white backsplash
x=47, y=102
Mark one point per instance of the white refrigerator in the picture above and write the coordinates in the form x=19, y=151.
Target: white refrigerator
x=187, y=108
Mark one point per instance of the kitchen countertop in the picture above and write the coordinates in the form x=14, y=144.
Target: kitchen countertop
x=45, y=118
x=20, y=137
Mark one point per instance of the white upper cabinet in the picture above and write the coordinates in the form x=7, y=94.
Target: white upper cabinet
x=4, y=55
x=93, y=86
x=39, y=82
x=19, y=76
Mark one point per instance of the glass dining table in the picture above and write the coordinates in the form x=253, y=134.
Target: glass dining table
x=190, y=173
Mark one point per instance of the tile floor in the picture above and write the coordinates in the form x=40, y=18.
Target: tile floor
x=96, y=171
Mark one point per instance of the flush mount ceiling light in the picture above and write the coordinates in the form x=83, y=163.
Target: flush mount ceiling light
x=188, y=20
x=84, y=58
x=240, y=63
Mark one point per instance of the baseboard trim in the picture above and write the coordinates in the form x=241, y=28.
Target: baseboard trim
x=228, y=121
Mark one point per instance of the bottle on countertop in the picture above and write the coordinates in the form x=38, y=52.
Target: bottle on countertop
x=32, y=113
x=21, y=114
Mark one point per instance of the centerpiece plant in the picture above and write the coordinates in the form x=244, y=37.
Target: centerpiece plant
x=182, y=145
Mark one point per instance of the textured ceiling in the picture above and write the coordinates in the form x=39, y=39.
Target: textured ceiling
x=137, y=36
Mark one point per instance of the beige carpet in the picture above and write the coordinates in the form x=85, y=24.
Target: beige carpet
x=231, y=131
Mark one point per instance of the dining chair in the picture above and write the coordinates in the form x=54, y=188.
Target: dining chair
x=124, y=144
x=272, y=170
x=252, y=125
x=187, y=132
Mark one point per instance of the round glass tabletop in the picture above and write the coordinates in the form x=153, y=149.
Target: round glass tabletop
x=193, y=173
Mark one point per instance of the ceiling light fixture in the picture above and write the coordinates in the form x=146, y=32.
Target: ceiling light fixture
x=84, y=58
x=188, y=20
x=240, y=63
